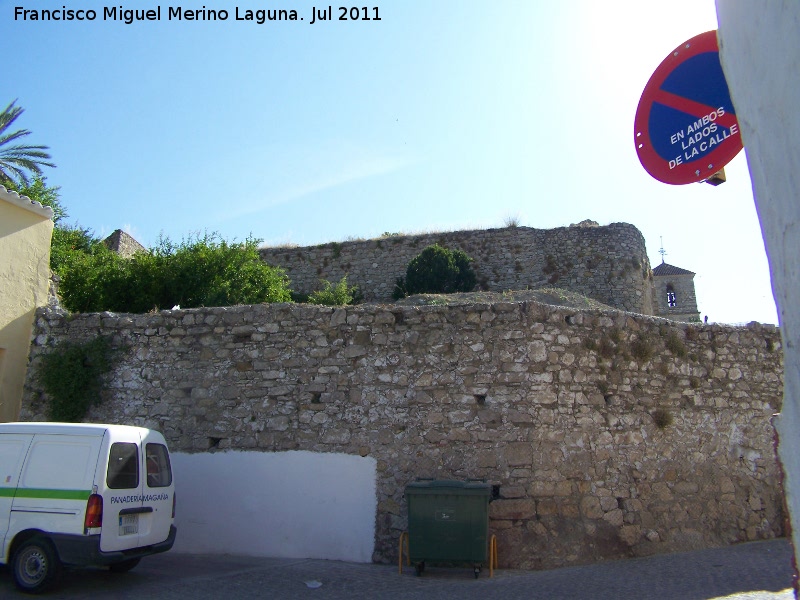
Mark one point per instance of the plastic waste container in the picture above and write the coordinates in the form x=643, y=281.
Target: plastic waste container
x=448, y=522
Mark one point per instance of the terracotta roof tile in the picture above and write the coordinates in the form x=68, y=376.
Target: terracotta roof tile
x=665, y=269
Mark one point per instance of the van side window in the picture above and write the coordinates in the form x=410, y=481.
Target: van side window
x=59, y=465
x=123, y=466
x=159, y=472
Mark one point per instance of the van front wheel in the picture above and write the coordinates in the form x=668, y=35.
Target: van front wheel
x=124, y=566
x=36, y=565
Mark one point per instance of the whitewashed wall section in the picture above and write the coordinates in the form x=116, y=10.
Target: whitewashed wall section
x=282, y=504
x=760, y=54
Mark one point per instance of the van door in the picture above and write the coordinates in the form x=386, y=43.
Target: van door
x=159, y=490
x=55, y=482
x=13, y=448
x=122, y=492
x=138, y=495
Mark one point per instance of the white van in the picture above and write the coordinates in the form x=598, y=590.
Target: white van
x=82, y=495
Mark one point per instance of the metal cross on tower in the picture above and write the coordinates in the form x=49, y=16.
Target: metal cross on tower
x=661, y=250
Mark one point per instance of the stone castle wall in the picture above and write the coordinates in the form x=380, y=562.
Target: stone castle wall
x=606, y=263
x=605, y=434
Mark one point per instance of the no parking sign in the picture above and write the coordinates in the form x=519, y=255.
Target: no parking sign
x=685, y=128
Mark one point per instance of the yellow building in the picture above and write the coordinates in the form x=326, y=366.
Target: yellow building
x=25, y=231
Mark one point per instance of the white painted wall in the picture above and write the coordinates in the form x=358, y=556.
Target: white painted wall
x=760, y=54
x=285, y=504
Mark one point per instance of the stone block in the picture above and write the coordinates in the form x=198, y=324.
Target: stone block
x=608, y=503
x=631, y=534
x=685, y=488
x=515, y=510
x=518, y=454
x=590, y=507
x=615, y=517
x=542, y=488
x=726, y=485
x=563, y=489
x=569, y=509
x=512, y=491
x=546, y=507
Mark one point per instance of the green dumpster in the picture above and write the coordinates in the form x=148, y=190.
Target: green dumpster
x=448, y=522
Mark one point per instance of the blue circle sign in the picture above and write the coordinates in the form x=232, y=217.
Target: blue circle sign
x=685, y=128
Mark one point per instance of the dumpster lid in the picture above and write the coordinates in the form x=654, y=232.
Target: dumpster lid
x=474, y=484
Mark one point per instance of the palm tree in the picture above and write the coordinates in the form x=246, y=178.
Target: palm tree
x=17, y=160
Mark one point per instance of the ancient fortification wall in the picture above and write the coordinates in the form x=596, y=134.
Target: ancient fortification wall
x=607, y=263
x=606, y=434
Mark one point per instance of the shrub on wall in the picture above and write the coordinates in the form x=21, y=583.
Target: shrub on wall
x=335, y=295
x=71, y=375
x=200, y=271
x=437, y=270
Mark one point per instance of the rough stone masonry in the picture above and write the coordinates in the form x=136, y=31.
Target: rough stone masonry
x=607, y=263
x=604, y=434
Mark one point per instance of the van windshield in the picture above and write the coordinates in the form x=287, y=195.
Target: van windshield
x=123, y=466
x=159, y=472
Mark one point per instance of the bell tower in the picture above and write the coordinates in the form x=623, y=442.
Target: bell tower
x=675, y=296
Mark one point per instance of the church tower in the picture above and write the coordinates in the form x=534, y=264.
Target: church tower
x=674, y=293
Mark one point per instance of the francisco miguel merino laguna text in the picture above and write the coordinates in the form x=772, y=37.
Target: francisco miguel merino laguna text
x=178, y=13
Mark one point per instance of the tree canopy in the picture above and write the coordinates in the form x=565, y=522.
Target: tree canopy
x=199, y=271
x=437, y=270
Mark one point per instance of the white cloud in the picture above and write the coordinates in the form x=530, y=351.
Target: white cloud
x=299, y=171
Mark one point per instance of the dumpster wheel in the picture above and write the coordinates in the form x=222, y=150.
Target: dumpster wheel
x=419, y=567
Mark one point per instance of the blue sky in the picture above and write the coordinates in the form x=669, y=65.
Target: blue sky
x=443, y=115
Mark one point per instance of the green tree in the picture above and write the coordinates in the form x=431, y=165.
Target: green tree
x=200, y=271
x=437, y=270
x=17, y=161
x=68, y=240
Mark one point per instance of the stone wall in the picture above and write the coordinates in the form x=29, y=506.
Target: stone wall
x=607, y=263
x=605, y=434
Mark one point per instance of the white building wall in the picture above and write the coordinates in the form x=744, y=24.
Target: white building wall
x=286, y=504
x=760, y=54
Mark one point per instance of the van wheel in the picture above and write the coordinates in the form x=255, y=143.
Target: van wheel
x=36, y=565
x=124, y=566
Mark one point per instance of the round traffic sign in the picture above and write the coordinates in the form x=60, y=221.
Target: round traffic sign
x=685, y=128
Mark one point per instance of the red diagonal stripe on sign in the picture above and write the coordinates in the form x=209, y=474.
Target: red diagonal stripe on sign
x=690, y=107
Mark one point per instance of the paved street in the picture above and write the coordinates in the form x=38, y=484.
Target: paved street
x=753, y=571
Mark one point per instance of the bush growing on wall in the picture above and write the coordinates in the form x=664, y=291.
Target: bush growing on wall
x=335, y=295
x=72, y=373
x=437, y=270
x=200, y=271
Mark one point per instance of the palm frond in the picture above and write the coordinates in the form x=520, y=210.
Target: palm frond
x=10, y=137
x=17, y=160
x=17, y=177
x=9, y=115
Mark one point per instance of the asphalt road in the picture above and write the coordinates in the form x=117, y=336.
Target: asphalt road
x=753, y=571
